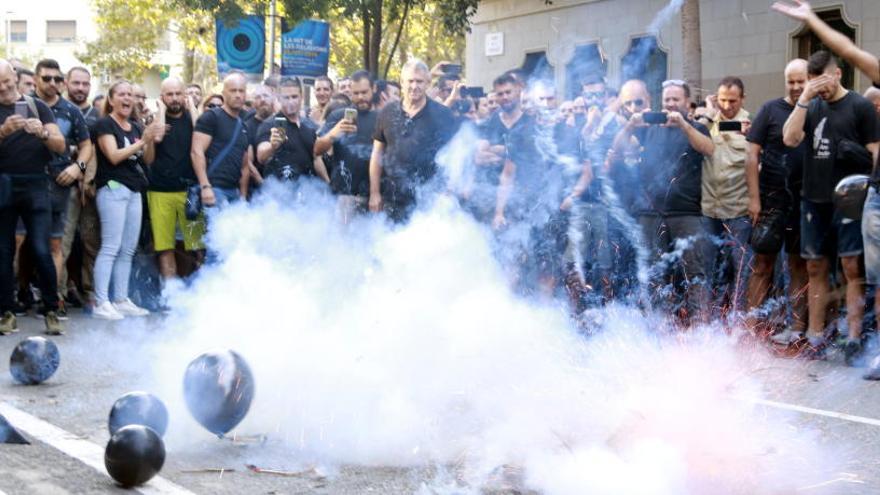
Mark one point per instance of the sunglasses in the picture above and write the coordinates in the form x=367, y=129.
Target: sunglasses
x=212, y=105
x=637, y=102
x=673, y=82
x=594, y=95
x=48, y=79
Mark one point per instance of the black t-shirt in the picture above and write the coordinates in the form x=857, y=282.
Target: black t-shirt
x=172, y=170
x=352, y=153
x=74, y=129
x=494, y=131
x=295, y=157
x=411, y=144
x=670, y=173
x=220, y=125
x=252, y=123
x=852, y=117
x=781, y=166
x=128, y=172
x=595, y=149
x=22, y=153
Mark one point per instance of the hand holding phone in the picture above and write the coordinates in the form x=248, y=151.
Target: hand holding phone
x=730, y=126
x=21, y=109
x=351, y=115
x=654, y=118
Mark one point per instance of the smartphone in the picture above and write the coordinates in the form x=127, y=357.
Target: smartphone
x=281, y=125
x=21, y=108
x=351, y=115
x=451, y=69
x=730, y=125
x=472, y=92
x=654, y=117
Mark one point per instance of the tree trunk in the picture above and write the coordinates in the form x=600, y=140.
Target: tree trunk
x=375, y=38
x=692, y=64
x=396, y=38
x=365, y=15
x=188, y=65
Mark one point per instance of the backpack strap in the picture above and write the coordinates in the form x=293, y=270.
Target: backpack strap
x=32, y=106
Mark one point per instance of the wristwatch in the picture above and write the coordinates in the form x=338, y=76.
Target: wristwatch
x=206, y=186
x=82, y=166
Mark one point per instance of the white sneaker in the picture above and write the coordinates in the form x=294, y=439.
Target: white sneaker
x=127, y=308
x=106, y=311
x=787, y=337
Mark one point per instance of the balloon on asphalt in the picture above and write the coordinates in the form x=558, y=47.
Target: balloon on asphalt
x=139, y=408
x=34, y=360
x=134, y=454
x=218, y=387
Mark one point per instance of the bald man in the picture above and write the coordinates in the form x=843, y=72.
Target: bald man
x=169, y=173
x=28, y=137
x=220, y=147
x=774, y=203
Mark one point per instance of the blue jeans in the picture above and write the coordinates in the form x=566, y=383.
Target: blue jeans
x=731, y=277
x=30, y=201
x=871, y=237
x=120, y=210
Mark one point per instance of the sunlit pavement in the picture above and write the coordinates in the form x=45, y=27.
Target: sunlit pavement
x=823, y=396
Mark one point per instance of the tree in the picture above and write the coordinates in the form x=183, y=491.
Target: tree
x=129, y=34
x=692, y=63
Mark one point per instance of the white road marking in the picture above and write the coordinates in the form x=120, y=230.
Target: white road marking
x=810, y=410
x=78, y=448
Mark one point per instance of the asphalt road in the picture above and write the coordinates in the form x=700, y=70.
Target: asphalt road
x=78, y=398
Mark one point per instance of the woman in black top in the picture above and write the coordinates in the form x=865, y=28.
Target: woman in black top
x=120, y=180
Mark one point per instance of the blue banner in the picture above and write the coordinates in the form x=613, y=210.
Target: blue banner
x=305, y=51
x=242, y=46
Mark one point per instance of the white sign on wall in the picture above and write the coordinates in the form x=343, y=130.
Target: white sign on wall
x=494, y=44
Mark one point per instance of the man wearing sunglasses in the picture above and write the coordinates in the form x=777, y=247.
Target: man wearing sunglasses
x=669, y=200
x=68, y=167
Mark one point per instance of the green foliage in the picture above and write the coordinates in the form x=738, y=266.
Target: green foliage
x=129, y=34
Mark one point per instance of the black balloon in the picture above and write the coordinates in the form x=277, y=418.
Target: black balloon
x=139, y=408
x=849, y=196
x=218, y=388
x=8, y=433
x=134, y=454
x=34, y=360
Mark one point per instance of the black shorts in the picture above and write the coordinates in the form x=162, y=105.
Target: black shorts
x=826, y=233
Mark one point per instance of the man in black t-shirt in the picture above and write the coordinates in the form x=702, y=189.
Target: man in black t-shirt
x=169, y=174
x=286, y=149
x=264, y=110
x=774, y=203
x=409, y=133
x=215, y=134
x=836, y=119
x=670, y=192
x=66, y=169
x=27, y=141
x=352, y=145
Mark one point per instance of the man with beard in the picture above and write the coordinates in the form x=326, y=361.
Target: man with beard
x=408, y=135
x=264, y=110
x=194, y=93
x=169, y=173
x=352, y=144
x=774, y=174
x=668, y=202
x=82, y=211
x=286, y=149
x=67, y=168
x=839, y=126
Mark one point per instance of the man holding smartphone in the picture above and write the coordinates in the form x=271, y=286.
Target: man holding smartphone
x=28, y=137
x=725, y=197
x=349, y=133
x=285, y=148
x=669, y=199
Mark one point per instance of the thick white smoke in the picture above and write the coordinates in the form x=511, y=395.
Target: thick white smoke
x=404, y=346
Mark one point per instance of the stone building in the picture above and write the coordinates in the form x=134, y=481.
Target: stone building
x=569, y=38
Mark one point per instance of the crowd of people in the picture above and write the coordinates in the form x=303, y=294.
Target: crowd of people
x=700, y=208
